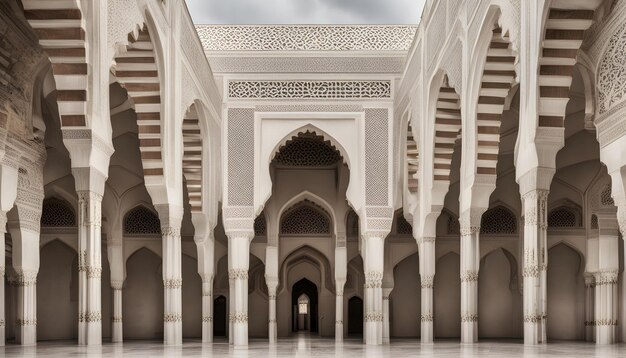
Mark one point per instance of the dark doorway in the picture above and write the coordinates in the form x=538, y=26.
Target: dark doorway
x=219, y=316
x=355, y=316
x=309, y=289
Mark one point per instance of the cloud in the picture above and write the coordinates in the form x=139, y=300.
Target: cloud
x=305, y=11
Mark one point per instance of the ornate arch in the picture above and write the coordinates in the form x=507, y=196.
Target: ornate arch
x=56, y=212
x=307, y=149
x=447, y=118
x=193, y=158
x=313, y=256
x=496, y=62
x=138, y=71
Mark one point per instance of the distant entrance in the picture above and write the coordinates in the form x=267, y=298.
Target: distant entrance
x=355, y=316
x=304, y=306
x=219, y=316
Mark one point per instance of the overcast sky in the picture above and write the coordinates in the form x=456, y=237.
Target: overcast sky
x=306, y=11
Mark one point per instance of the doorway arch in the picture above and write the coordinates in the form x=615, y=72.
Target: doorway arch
x=309, y=289
x=219, y=316
x=355, y=316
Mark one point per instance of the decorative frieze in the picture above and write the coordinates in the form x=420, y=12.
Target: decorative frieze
x=373, y=279
x=309, y=89
x=532, y=318
x=427, y=281
x=172, y=317
x=469, y=317
x=373, y=317
x=238, y=318
x=426, y=317
x=26, y=278
x=94, y=316
x=530, y=271
x=469, y=276
x=237, y=274
x=26, y=322
x=170, y=231
x=207, y=318
x=536, y=208
x=340, y=322
x=116, y=319
x=306, y=37
x=93, y=271
x=605, y=322
x=606, y=278
x=173, y=283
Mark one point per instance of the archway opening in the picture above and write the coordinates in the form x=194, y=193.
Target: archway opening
x=305, y=292
x=219, y=316
x=355, y=316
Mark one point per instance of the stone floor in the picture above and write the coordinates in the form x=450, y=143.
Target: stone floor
x=304, y=346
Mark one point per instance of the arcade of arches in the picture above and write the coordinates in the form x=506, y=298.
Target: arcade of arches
x=462, y=179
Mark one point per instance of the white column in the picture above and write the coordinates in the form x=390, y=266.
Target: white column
x=271, y=279
x=116, y=321
x=606, y=302
x=205, y=245
x=341, y=272
x=90, y=266
x=470, y=263
x=171, y=216
x=272, y=331
x=231, y=306
x=373, y=264
x=427, y=259
x=386, y=293
x=239, y=257
x=26, y=264
x=535, y=265
x=207, y=310
x=589, y=307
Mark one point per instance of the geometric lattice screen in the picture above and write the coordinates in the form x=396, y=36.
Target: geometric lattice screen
x=142, y=221
x=305, y=219
x=57, y=213
x=498, y=220
x=307, y=150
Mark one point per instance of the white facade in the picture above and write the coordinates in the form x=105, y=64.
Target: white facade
x=458, y=179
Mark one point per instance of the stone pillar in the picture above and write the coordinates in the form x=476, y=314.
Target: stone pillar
x=373, y=246
x=341, y=268
x=427, y=259
x=207, y=309
x=205, y=246
x=386, y=293
x=171, y=216
x=25, y=236
x=621, y=220
x=339, y=286
x=231, y=305
x=589, y=308
x=606, y=302
x=90, y=188
x=117, y=327
x=271, y=279
x=535, y=265
x=239, y=259
x=470, y=263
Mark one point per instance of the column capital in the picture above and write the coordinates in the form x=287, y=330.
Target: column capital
x=238, y=221
x=426, y=240
x=470, y=219
x=237, y=274
x=427, y=281
x=535, y=179
x=90, y=179
x=117, y=285
x=171, y=217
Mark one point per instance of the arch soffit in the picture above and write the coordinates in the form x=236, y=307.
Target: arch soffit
x=572, y=244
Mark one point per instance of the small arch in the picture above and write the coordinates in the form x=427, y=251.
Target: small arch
x=313, y=198
x=141, y=221
x=315, y=257
x=305, y=218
